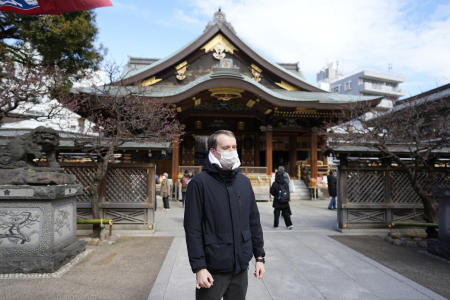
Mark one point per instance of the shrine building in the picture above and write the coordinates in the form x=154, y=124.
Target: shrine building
x=219, y=82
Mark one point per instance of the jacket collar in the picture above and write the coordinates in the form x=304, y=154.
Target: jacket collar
x=216, y=171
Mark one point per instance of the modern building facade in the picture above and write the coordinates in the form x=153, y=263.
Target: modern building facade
x=367, y=83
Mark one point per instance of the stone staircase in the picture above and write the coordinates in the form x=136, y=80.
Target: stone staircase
x=301, y=191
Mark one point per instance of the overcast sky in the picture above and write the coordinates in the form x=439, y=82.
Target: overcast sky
x=411, y=36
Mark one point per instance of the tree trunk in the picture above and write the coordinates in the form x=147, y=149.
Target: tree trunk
x=99, y=184
x=428, y=213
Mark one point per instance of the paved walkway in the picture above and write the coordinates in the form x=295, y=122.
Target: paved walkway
x=300, y=264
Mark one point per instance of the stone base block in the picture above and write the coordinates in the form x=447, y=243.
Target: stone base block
x=439, y=248
x=41, y=264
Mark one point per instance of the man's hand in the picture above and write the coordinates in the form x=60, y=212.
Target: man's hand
x=259, y=270
x=204, y=279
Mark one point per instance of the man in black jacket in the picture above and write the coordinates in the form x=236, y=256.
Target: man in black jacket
x=332, y=189
x=221, y=221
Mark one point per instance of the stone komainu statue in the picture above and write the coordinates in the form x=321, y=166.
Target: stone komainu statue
x=22, y=150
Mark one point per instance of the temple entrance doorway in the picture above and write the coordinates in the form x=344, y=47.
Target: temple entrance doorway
x=281, y=158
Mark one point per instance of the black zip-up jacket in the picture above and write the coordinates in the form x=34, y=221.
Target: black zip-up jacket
x=221, y=221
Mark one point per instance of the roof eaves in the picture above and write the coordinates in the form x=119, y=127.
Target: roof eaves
x=172, y=58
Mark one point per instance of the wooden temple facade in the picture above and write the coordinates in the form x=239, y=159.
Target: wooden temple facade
x=219, y=82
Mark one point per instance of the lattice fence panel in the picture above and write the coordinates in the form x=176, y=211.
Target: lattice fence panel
x=402, y=191
x=85, y=176
x=361, y=216
x=126, y=185
x=434, y=179
x=84, y=213
x=407, y=214
x=126, y=216
x=365, y=187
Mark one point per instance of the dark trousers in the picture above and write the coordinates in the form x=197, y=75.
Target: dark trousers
x=286, y=216
x=183, y=197
x=227, y=285
x=166, y=202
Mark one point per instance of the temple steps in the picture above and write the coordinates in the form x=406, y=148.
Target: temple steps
x=301, y=191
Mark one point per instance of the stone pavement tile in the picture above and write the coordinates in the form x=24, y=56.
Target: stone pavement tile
x=381, y=281
x=162, y=282
x=301, y=264
x=257, y=288
x=328, y=280
x=284, y=278
x=182, y=280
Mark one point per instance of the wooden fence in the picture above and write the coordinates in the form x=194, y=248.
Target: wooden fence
x=378, y=196
x=128, y=193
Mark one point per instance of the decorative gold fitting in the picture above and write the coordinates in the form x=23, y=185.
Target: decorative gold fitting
x=181, y=70
x=226, y=93
x=256, y=73
x=183, y=64
x=250, y=103
x=197, y=101
x=150, y=81
x=286, y=86
x=216, y=40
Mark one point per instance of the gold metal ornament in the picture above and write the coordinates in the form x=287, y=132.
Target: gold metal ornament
x=219, y=39
x=150, y=81
x=256, y=73
x=181, y=70
x=197, y=101
x=286, y=86
x=226, y=93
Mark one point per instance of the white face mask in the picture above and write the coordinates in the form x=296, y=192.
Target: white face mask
x=229, y=159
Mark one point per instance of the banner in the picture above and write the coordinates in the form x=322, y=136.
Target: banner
x=45, y=7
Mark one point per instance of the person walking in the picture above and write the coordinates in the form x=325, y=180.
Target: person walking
x=165, y=190
x=281, y=197
x=332, y=189
x=184, y=183
x=222, y=224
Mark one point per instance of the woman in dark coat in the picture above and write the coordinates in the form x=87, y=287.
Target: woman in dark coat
x=332, y=189
x=281, y=205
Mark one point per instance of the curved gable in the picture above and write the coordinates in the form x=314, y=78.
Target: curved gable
x=219, y=32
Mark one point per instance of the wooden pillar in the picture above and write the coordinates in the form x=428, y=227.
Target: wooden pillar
x=313, y=155
x=256, y=147
x=292, y=155
x=175, y=160
x=151, y=188
x=269, y=152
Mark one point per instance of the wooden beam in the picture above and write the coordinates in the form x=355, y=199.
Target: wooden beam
x=292, y=155
x=314, y=155
x=175, y=160
x=269, y=152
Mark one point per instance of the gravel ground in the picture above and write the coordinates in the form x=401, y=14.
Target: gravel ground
x=124, y=270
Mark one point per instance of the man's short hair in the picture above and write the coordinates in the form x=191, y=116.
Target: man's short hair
x=212, y=140
x=281, y=169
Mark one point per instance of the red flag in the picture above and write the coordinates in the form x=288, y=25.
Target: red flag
x=45, y=7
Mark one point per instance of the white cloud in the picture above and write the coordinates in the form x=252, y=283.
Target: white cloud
x=414, y=38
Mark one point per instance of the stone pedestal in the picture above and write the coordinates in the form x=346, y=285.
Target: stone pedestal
x=38, y=227
x=441, y=246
